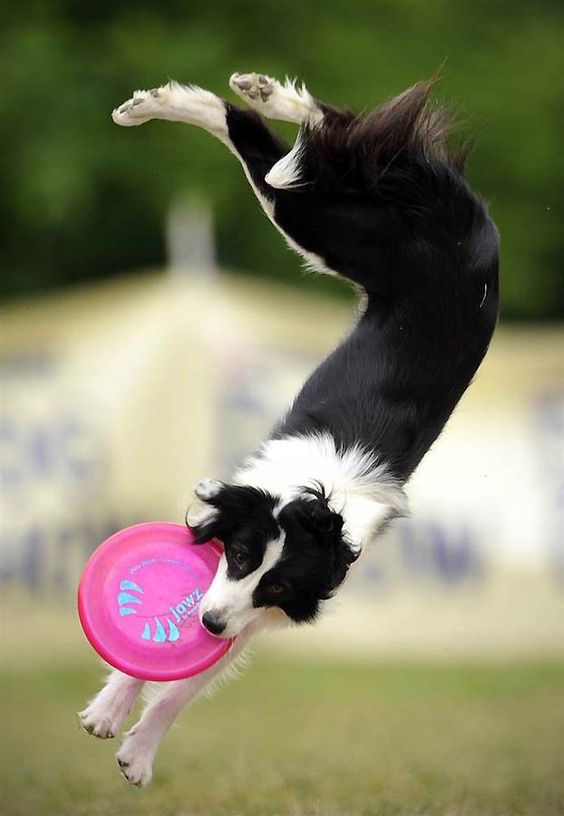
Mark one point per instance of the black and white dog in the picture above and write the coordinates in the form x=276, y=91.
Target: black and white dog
x=380, y=200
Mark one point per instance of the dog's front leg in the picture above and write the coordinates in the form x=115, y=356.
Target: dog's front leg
x=106, y=712
x=140, y=745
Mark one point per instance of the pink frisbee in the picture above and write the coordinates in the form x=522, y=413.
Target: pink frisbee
x=138, y=601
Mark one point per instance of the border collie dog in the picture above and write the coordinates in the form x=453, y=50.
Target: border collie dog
x=380, y=200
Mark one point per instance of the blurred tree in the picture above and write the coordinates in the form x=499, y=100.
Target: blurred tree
x=84, y=199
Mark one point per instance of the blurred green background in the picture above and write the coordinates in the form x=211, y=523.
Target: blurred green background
x=84, y=199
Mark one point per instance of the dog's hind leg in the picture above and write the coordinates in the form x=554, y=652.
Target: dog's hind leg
x=288, y=103
x=244, y=132
x=275, y=100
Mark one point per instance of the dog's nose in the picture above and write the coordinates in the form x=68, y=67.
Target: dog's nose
x=213, y=623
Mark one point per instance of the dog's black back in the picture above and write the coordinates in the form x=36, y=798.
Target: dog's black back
x=383, y=202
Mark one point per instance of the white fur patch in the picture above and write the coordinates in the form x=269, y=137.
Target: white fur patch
x=361, y=489
x=285, y=174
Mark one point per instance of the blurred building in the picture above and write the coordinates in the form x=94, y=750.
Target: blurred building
x=118, y=397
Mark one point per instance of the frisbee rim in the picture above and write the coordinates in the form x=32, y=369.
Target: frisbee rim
x=125, y=665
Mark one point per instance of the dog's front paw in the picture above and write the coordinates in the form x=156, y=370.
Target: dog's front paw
x=104, y=716
x=98, y=721
x=135, y=761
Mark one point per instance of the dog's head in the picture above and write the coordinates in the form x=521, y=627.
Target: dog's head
x=290, y=556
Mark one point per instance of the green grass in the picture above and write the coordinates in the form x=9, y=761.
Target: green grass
x=293, y=738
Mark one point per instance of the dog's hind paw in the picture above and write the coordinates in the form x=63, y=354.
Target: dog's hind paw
x=276, y=100
x=143, y=106
x=253, y=87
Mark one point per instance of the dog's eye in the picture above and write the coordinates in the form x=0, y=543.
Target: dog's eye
x=240, y=558
x=275, y=589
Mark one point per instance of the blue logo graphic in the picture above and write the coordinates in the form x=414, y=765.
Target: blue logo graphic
x=126, y=598
x=131, y=604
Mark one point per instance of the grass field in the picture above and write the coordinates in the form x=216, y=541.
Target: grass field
x=293, y=738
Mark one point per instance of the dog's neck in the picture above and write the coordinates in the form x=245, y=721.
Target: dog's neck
x=358, y=486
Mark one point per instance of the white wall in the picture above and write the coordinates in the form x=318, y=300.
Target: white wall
x=117, y=398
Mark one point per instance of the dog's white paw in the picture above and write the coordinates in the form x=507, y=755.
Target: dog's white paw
x=135, y=761
x=106, y=713
x=271, y=98
x=143, y=106
x=207, y=489
x=254, y=88
x=100, y=721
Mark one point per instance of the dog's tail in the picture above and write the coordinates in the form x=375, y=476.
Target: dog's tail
x=346, y=150
x=382, y=196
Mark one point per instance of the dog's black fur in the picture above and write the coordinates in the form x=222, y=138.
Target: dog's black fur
x=384, y=202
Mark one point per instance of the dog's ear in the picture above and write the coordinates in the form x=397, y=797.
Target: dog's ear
x=228, y=507
x=238, y=501
x=204, y=522
x=338, y=566
x=326, y=524
x=316, y=515
x=204, y=525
